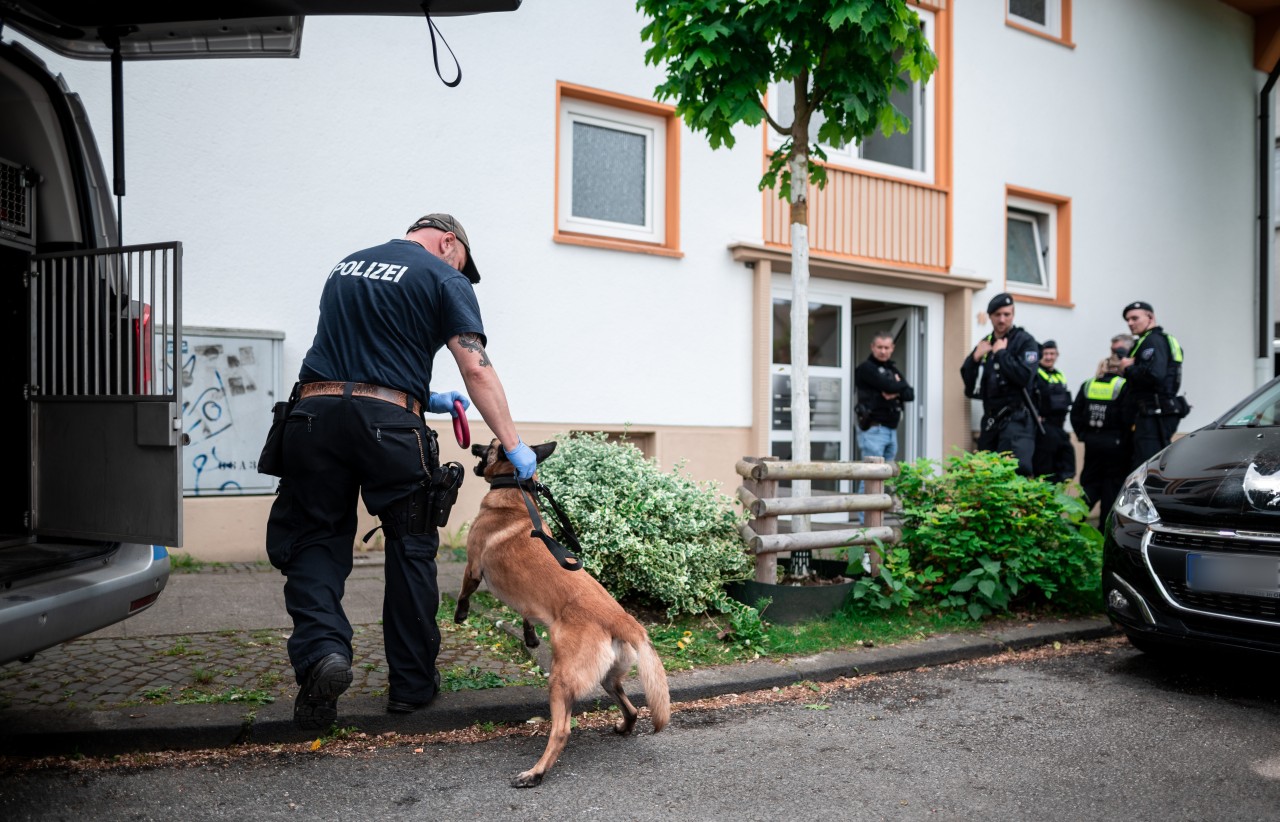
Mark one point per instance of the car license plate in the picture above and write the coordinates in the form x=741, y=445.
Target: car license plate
x=1248, y=575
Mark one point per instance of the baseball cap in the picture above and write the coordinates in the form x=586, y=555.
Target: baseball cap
x=447, y=222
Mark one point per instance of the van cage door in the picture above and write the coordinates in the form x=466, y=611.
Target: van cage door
x=105, y=402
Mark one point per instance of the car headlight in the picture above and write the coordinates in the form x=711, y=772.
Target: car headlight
x=1133, y=502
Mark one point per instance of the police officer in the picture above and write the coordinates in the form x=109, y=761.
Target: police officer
x=1001, y=371
x=1153, y=374
x=357, y=431
x=1121, y=345
x=1055, y=456
x=1097, y=418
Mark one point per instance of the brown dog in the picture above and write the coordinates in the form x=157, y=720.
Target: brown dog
x=593, y=640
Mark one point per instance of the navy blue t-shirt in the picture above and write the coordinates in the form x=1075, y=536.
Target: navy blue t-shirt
x=384, y=313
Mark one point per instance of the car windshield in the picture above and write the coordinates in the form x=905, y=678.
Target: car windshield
x=1262, y=411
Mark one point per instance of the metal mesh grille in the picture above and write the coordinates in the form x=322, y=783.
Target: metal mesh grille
x=104, y=322
x=1222, y=543
x=17, y=204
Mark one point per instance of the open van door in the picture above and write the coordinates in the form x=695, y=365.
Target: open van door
x=106, y=400
x=149, y=30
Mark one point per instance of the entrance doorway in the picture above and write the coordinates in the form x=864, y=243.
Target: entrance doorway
x=843, y=317
x=906, y=325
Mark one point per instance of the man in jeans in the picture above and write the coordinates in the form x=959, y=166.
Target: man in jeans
x=881, y=393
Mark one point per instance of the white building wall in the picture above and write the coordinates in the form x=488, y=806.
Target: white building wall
x=1148, y=125
x=270, y=171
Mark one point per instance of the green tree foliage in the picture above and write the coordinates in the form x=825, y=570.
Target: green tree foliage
x=980, y=538
x=655, y=537
x=844, y=59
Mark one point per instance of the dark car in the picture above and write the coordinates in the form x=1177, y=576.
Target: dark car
x=1192, y=552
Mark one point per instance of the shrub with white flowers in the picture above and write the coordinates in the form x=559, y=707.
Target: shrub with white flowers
x=655, y=537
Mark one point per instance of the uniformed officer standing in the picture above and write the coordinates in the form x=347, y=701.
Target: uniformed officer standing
x=1097, y=418
x=1055, y=456
x=1001, y=371
x=1153, y=372
x=357, y=432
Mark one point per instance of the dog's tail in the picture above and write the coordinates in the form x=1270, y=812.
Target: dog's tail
x=653, y=678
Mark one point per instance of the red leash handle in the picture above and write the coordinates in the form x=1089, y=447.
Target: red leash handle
x=461, y=429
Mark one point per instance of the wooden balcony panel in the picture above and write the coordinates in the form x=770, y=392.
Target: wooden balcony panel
x=858, y=215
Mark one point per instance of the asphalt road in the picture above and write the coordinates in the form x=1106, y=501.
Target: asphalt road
x=1093, y=732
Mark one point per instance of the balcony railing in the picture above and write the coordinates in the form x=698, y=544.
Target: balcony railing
x=875, y=218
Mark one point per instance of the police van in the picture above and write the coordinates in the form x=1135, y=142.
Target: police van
x=91, y=406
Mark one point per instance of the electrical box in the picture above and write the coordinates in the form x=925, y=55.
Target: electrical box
x=230, y=380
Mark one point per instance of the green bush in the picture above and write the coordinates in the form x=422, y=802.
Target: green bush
x=657, y=538
x=980, y=538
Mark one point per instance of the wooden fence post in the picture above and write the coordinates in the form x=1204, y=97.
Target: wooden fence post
x=767, y=563
x=873, y=519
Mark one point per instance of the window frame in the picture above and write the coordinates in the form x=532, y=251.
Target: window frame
x=1052, y=215
x=660, y=234
x=925, y=107
x=1057, y=25
x=1042, y=223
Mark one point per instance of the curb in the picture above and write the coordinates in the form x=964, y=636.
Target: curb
x=192, y=727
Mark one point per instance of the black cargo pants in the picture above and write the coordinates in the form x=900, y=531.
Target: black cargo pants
x=1055, y=456
x=338, y=450
x=1106, y=464
x=1010, y=429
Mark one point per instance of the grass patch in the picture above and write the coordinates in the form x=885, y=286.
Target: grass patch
x=184, y=563
x=690, y=642
x=470, y=679
x=250, y=696
x=181, y=648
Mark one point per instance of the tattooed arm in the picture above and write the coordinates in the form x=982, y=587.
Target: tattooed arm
x=484, y=387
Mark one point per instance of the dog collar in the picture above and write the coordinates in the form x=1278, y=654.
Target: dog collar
x=568, y=560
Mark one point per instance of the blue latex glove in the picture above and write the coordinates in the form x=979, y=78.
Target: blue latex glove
x=442, y=403
x=522, y=457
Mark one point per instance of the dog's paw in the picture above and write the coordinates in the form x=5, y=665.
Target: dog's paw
x=461, y=613
x=528, y=779
x=531, y=639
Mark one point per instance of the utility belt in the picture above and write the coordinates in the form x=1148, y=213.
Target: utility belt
x=1163, y=406
x=1002, y=416
x=431, y=502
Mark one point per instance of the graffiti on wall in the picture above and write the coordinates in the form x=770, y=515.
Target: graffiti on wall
x=228, y=388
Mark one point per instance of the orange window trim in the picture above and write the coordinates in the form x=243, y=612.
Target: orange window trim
x=671, y=246
x=1062, y=259
x=1062, y=39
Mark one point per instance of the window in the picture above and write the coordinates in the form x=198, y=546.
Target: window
x=907, y=154
x=1027, y=260
x=1048, y=18
x=617, y=171
x=1037, y=246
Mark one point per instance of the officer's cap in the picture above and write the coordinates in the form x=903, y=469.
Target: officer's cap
x=1049, y=344
x=1138, y=305
x=999, y=301
x=447, y=222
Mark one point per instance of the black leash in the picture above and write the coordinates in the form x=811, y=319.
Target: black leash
x=568, y=560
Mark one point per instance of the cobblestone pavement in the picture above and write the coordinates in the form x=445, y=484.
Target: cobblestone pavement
x=249, y=666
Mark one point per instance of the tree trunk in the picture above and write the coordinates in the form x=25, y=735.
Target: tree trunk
x=799, y=163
